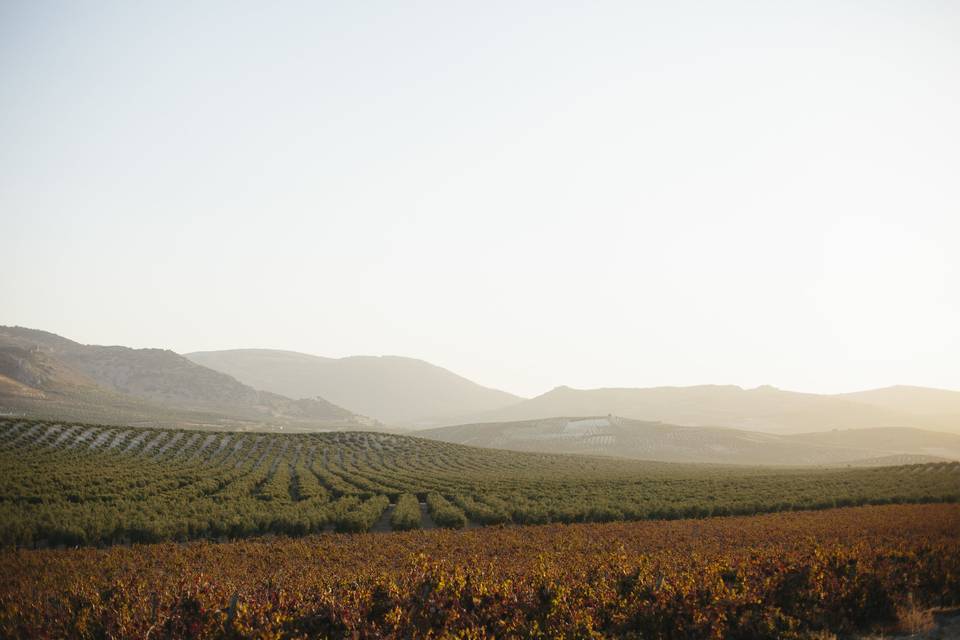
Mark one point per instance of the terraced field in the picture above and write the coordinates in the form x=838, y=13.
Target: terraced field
x=88, y=484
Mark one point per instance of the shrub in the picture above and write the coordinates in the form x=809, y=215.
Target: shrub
x=363, y=516
x=406, y=515
x=445, y=514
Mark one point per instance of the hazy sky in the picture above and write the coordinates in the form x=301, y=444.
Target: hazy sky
x=530, y=194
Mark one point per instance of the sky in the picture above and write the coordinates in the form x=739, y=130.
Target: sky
x=530, y=194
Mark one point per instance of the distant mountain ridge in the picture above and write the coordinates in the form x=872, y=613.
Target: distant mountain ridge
x=626, y=438
x=924, y=401
x=766, y=409
x=393, y=389
x=47, y=375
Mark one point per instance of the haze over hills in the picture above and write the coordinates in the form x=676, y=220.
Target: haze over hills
x=765, y=409
x=43, y=374
x=393, y=389
x=923, y=401
x=890, y=439
x=46, y=375
x=622, y=437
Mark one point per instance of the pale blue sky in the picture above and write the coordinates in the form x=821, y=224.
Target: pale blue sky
x=594, y=194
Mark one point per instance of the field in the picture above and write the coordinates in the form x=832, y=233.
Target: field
x=69, y=484
x=787, y=575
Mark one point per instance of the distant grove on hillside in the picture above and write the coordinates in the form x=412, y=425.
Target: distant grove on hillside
x=78, y=484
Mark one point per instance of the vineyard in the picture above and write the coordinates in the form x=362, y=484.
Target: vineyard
x=789, y=575
x=70, y=484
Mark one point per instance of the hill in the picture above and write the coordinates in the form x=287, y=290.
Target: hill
x=75, y=483
x=764, y=409
x=922, y=401
x=891, y=439
x=46, y=375
x=611, y=435
x=392, y=389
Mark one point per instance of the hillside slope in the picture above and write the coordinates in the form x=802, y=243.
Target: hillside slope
x=42, y=374
x=610, y=435
x=765, y=409
x=178, y=484
x=923, y=401
x=389, y=388
x=890, y=439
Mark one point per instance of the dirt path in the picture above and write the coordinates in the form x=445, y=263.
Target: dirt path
x=198, y=454
x=83, y=438
x=117, y=442
x=382, y=524
x=153, y=443
x=169, y=443
x=25, y=436
x=133, y=444
x=222, y=444
x=100, y=440
x=426, y=521
x=63, y=437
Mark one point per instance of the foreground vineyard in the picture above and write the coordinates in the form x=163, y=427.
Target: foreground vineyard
x=771, y=576
x=82, y=484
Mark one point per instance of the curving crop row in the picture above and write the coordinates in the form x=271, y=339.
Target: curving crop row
x=444, y=513
x=406, y=513
x=363, y=515
x=86, y=484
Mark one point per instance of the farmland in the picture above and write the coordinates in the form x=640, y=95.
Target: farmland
x=786, y=575
x=76, y=484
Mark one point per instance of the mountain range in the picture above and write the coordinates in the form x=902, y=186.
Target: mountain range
x=46, y=375
x=766, y=409
x=392, y=389
x=413, y=393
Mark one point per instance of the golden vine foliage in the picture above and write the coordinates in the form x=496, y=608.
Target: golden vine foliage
x=773, y=576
